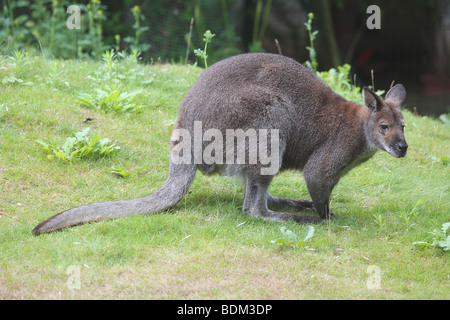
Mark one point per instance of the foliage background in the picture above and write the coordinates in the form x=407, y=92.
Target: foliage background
x=413, y=50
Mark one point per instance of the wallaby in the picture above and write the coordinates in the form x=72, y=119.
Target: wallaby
x=311, y=129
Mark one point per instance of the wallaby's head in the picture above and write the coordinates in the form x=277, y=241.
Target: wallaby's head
x=384, y=128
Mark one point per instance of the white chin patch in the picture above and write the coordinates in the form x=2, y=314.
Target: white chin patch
x=390, y=150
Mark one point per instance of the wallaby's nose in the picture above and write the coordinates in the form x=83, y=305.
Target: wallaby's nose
x=402, y=147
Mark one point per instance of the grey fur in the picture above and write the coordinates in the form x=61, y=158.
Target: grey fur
x=320, y=133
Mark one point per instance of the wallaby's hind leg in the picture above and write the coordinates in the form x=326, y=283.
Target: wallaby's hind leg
x=293, y=204
x=255, y=202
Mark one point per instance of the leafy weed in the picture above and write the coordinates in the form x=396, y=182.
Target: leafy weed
x=84, y=144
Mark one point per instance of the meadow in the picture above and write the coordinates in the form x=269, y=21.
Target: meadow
x=205, y=247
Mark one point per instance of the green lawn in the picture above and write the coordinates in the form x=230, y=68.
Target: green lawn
x=204, y=248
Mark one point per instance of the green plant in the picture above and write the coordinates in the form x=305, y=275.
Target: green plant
x=117, y=39
x=111, y=100
x=109, y=57
x=120, y=171
x=82, y=145
x=406, y=216
x=441, y=238
x=138, y=30
x=54, y=73
x=124, y=173
x=379, y=220
x=133, y=57
x=444, y=160
x=312, y=63
x=259, y=26
x=340, y=81
x=14, y=80
x=47, y=26
x=291, y=239
x=118, y=66
x=18, y=59
x=207, y=37
x=95, y=29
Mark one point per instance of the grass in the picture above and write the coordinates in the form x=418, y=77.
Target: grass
x=204, y=248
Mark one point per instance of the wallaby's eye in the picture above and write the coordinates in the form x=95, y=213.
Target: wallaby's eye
x=384, y=128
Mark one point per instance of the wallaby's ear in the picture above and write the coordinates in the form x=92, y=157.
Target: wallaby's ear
x=372, y=100
x=396, y=95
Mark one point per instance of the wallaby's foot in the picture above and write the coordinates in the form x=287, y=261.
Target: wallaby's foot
x=270, y=215
x=285, y=216
x=286, y=203
x=297, y=205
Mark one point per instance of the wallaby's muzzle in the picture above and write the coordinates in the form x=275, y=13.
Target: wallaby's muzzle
x=401, y=149
x=398, y=148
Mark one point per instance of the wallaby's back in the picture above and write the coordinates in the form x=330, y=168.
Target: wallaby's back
x=232, y=81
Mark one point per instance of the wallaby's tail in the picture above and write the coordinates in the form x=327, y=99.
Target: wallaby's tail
x=180, y=179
